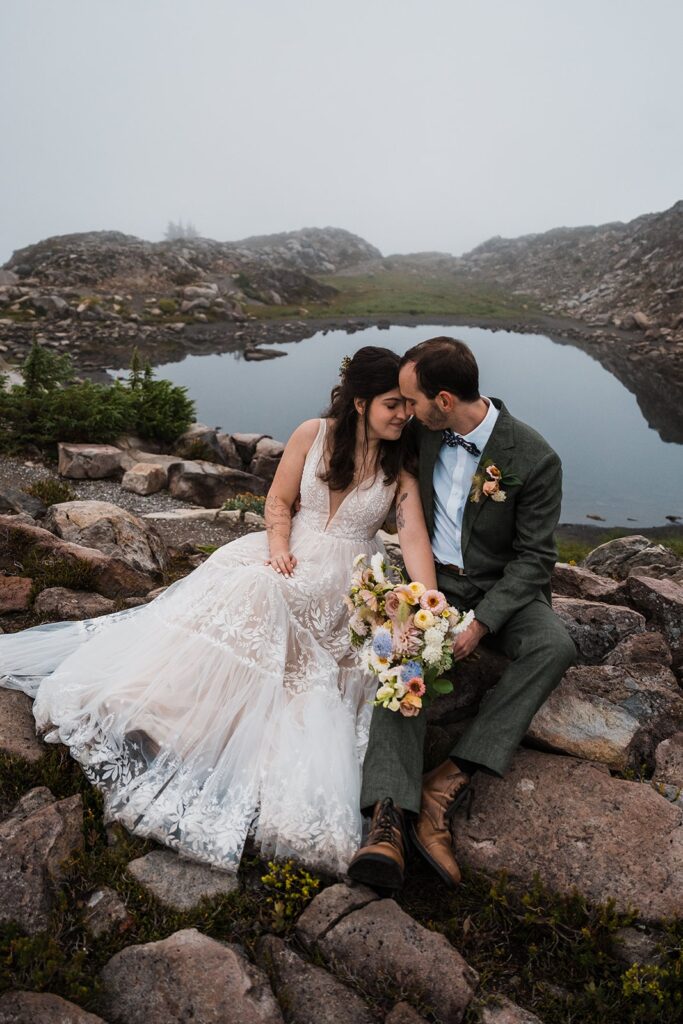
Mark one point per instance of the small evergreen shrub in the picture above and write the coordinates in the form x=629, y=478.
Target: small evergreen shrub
x=50, y=406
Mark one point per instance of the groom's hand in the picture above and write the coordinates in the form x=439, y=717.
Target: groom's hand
x=468, y=640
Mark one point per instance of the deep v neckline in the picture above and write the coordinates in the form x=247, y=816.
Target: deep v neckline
x=331, y=518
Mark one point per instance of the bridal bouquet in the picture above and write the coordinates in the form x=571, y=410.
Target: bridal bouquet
x=405, y=632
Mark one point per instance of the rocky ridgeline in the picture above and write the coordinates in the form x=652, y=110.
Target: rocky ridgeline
x=91, y=292
x=624, y=275
x=576, y=808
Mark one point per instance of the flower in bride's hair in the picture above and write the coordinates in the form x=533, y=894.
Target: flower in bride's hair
x=343, y=367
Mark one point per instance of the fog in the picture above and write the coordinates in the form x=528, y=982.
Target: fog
x=418, y=124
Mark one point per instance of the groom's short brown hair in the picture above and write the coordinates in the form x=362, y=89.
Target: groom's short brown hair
x=445, y=364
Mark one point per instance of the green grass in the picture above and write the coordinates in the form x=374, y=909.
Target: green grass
x=397, y=293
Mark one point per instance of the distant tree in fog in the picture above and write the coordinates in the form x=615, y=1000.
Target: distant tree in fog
x=180, y=230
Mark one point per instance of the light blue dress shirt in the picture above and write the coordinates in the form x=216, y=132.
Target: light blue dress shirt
x=452, y=481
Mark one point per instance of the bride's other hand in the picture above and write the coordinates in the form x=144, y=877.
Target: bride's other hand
x=284, y=563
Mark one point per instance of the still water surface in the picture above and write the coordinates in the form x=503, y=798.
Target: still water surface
x=615, y=466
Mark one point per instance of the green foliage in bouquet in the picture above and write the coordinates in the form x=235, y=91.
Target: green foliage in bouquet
x=50, y=406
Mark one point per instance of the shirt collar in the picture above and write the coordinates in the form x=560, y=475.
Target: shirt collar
x=482, y=431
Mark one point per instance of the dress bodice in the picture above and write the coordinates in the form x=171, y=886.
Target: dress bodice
x=362, y=511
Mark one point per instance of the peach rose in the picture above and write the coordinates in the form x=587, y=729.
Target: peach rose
x=411, y=705
x=493, y=472
x=490, y=488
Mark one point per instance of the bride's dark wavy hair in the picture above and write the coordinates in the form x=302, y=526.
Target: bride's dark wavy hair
x=372, y=371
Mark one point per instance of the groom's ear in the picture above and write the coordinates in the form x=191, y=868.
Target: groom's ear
x=445, y=401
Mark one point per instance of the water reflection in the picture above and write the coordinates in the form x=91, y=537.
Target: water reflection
x=615, y=466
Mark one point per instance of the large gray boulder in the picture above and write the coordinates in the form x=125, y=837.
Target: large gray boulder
x=381, y=944
x=89, y=461
x=186, y=977
x=661, y=602
x=209, y=485
x=145, y=478
x=267, y=456
x=36, y=840
x=18, y=727
x=111, y=530
x=577, y=581
x=179, y=883
x=42, y=1008
x=618, y=558
x=612, y=713
x=596, y=628
x=310, y=994
x=578, y=828
x=669, y=762
x=62, y=604
x=111, y=576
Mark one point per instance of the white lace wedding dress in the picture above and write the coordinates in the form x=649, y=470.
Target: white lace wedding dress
x=246, y=681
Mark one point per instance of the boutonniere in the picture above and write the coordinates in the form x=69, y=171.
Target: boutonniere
x=489, y=483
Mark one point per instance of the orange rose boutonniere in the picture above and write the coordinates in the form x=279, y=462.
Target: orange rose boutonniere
x=489, y=483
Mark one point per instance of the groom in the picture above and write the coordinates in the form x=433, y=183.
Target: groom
x=491, y=491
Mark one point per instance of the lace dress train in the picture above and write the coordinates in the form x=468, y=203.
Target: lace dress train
x=255, y=705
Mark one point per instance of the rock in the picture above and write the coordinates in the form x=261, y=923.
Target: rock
x=12, y=500
x=18, y=728
x=381, y=944
x=209, y=485
x=246, y=445
x=111, y=530
x=193, y=978
x=179, y=883
x=42, y=1008
x=228, y=451
x=35, y=841
x=266, y=458
x=105, y=914
x=642, y=320
x=661, y=601
x=111, y=576
x=577, y=827
x=618, y=557
x=403, y=1013
x=88, y=461
x=641, y=650
x=63, y=604
x=499, y=1010
x=613, y=714
x=576, y=581
x=669, y=761
x=50, y=305
x=328, y=908
x=636, y=946
x=596, y=628
x=145, y=478
x=197, y=442
x=15, y=593
x=309, y=994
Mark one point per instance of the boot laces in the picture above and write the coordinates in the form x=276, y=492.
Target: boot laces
x=387, y=821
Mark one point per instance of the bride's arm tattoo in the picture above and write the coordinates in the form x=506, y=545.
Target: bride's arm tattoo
x=278, y=517
x=400, y=513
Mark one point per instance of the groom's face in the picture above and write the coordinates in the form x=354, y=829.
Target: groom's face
x=425, y=409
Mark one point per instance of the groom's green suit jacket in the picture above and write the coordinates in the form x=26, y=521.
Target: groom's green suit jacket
x=508, y=546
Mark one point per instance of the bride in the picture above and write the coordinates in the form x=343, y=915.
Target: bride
x=233, y=702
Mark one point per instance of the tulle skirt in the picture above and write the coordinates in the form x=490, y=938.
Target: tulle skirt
x=230, y=704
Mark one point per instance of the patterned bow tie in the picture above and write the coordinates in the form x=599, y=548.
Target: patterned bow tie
x=453, y=440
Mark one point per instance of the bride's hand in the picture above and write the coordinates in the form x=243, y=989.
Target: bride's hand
x=284, y=563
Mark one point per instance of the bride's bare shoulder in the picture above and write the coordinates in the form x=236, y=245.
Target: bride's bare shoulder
x=304, y=435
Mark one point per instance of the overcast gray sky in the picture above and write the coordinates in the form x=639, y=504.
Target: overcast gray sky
x=419, y=124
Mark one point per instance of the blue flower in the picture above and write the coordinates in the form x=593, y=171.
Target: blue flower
x=411, y=669
x=382, y=643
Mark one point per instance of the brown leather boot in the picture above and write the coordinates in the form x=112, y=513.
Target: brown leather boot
x=443, y=789
x=381, y=859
